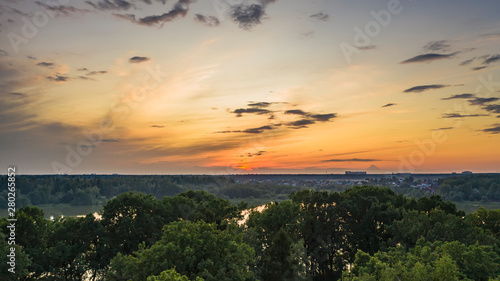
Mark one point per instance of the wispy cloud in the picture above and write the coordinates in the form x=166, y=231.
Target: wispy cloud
x=248, y=16
x=460, y=96
x=111, y=5
x=369, y=47
x=62, y=10
x=482, y=101
x=389, y=104
x=97, y=72
x=352, y=160
x=493, y=130
x=240, y=111
x=422, y=88
x=493, y=108
x=491, y=59
x=179, y=10
x=440, y=45
x=429, y=57
x=45, y=64
x=58, y=78
x=321, y=16
x=209, y=21
x=138, y=59
x=458, y=115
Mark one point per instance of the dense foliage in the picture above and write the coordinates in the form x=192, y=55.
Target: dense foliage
x=362, y=233
x=470, y=187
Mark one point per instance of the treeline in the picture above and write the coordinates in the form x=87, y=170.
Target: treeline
x=470, y=188
x=81, y=190
x=363, y=233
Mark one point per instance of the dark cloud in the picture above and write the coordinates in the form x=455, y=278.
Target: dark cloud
x=482, y=101
x=478, y=68
x=247, y=16
x=369, y=47
x=429, y=57
x=61, y=10
x=296, y=112
x=491, y=59
x=493, y=130
x=97, y=72
x=321, y=16
x=157, y=126
x=389, y=104
x=493, y=108
x=258, y=130
x=302, y=123
x=260, y=104
x=137, y=59
x=460, y=96
x=209, y=21
x=444, y=128
x=315, y=117
x=58, y=78
x=31, y=57
x=180, y=9
x=17, y=94
x=111, y=5
x=440, y=45
x=323, y=117
x=458, y=115
x=86, y=78
x=45, y=64
x=258, y=111
x=3, y=53
x=82, y=69
x=352, y=160
x=466, y=62
x=418, y=89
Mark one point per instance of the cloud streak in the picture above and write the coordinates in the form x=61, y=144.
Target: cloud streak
x=62, y=10
x=422, y=88
x=179, y=10
x=458, y=115
x=460, y=96
x=429, y=57
x=352, y=160
x=209, y=21
x=138, y=59
x=321, y=16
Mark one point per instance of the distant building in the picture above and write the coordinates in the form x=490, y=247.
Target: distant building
x=355, y=173
x=466, y=173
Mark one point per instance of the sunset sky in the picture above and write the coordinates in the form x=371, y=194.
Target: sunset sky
x=249, y=86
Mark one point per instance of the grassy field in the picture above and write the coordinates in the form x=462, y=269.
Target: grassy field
x=66, y=210
x=471, y=207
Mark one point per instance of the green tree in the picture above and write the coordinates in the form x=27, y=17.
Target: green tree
x=194, y=249
x=171, y=275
